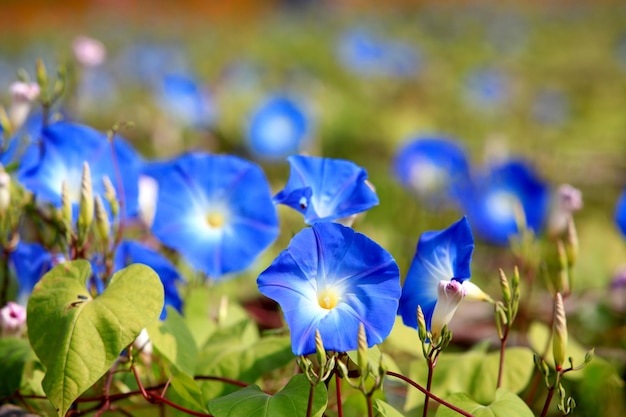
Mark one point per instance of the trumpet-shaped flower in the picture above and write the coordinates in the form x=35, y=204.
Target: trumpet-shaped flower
x=437, y=280
x=130, y=252
x=278, y=128
x=325, y=189
x=432, y=167
x=65, y=148
x=507, y=195
x=215, y=210
x=330, y=279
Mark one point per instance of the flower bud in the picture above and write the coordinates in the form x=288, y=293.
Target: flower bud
x=85, y=217
x=449, y=295
x=506, y=290
x=571, y=243
x=562, y=275
x=66, y=204
x=319, y=349
x=5, y=191
x=22, y=96
x=12, y=320
x=148, y=192
x=111, y=197
x=103, y=227
x=421, y=324
x=567, y=200
x=559, y=332
x=362, y=351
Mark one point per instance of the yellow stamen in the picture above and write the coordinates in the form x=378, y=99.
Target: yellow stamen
x=215, y=220
x=328, y=299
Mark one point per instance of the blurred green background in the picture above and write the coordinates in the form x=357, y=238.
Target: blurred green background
x=564, y=110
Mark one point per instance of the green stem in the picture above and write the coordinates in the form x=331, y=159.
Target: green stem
x=502, y=350
x=429, y=394
x=429, y=382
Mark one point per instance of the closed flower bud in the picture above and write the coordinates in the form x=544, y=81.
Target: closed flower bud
x=421, y=324
x=449, y=296
x=571, y=243
x=89, y=52
x=111, y=197
x=5, y=191
x=362, y=351
x=12, y=319
x=103, y=226
x=85, y=217
x=319, y=349
x=22, y=96
x=559, y=332
x=66, y=204
x=506, y=290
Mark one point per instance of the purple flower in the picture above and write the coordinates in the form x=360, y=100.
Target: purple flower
x=331, y=279
x=215, y=210
x=325, y=189
x=437, y=280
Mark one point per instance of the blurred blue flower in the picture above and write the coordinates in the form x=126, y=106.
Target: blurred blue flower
x=487, y=89
x=29, y=262
x=325, y=189
x=498, y=198
x=130, y=252
x=364, y=53
x=22, y=149
x=215, y=210
x=182, y=99
x=278, y=127
x=65, y=147
x=331, y=279
x=146, y=62
x=620, y=213
x=433, y=167
x=437, y=278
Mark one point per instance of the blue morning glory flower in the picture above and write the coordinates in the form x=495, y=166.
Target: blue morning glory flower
x=278, y=128
x=331, y=278
x=500, y=196
x=29, y=261
x=325, y=189
x=432, y=167
x=620, y=213
x=66, y=146
x=363, y=52
x=215, y=210
x=437, y=280
x=487, y=89
x=181, y=98
x=129, y=252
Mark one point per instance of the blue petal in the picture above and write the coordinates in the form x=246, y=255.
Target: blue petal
x=440, y=255
x=434, y=167
x=130, y=252
x=278, y=128
x=30, y=262
x=335, y=256
x=492, y=217
x=193, y=185
x=338, y=188
x=182, y=99
x=66, y=146
x=620, y=213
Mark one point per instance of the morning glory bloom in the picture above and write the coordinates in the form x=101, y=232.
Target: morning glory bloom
x=620, y=213
x=437, y=280
x=278, y=127
x=185, y=102
x=509, y=193
x=215, y=210
x=363, y=52
x=129, y=252
x=432, y=167
x=325, y=189
x=66, y=147
x=487, y=89
x=331, y=278
x=29, y=262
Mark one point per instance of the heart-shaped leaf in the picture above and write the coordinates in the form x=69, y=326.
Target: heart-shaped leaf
x=78, y=337
x=291, y=401
x=506, y=404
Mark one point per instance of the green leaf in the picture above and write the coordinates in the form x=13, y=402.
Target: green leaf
x=291, y=401
x=506, y=404
x=185, y=391
x=14, y=353
x=172, y=339
x=77, y=337
x=383, y=409
x=474, y=372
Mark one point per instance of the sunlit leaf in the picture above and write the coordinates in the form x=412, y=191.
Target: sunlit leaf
x=291, y=401
x=172, y=339
x=506, y=404
x=78, y=337
x=14, y=353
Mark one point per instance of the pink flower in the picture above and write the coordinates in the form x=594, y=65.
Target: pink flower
x=12, y=319
x=89, y=52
